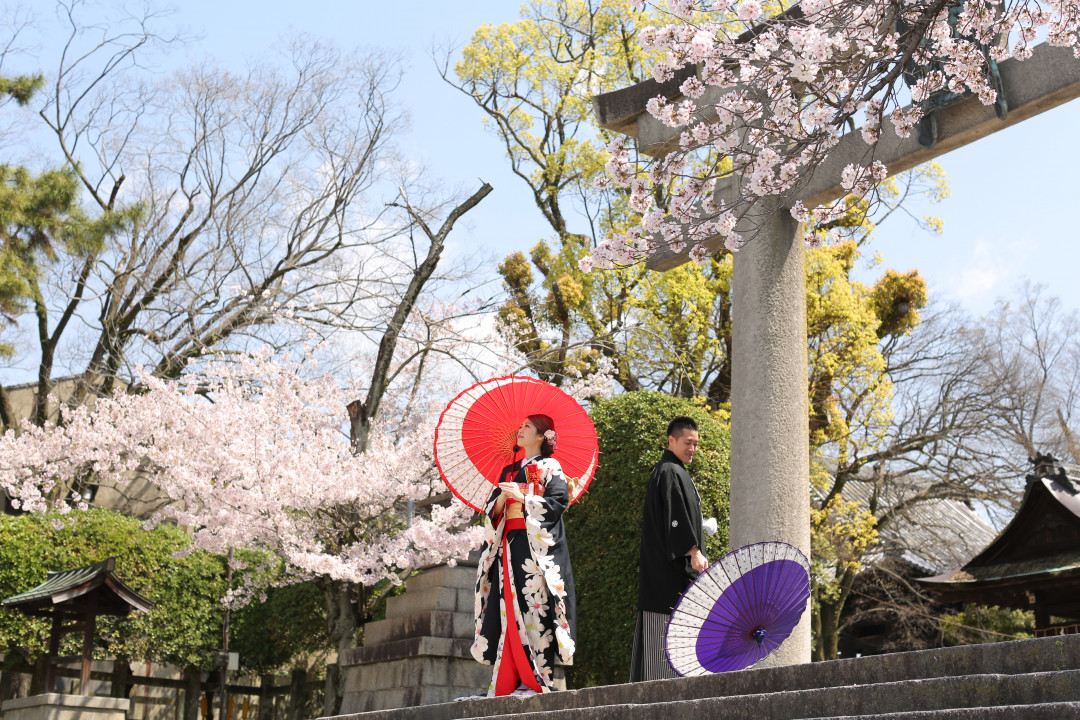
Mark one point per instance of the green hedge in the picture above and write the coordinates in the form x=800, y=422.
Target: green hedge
x=603, y=529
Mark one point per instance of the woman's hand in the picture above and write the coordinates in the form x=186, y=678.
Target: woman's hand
x=511, y=491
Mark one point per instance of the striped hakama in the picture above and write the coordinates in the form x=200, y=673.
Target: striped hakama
x=648, y=661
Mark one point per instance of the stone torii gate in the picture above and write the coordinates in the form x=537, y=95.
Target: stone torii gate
x=769, y=440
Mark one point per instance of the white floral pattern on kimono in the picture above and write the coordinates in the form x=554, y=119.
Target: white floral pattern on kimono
x=544, y=601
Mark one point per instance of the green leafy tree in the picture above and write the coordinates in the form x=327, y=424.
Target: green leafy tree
x=603, y=529
x=40, y=218
x=271, y=633
x=986, y=623
x=185, y=626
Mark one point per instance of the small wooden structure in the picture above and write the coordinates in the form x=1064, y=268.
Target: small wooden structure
x=74, y=599
x=1034, y=563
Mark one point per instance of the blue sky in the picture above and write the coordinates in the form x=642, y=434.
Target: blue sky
x=446, y=129
x=1008, y=216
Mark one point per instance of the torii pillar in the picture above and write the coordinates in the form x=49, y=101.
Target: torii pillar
x=769, y=434
x=770, y=446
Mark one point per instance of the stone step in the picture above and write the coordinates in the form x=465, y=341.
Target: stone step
x=930, y=698
x=407, y=648
x=420, y=671
x=1041, y=711
x=430, y=599
x=431, y=624
x=928, y=695
x=460, y=576
x=1023, y=666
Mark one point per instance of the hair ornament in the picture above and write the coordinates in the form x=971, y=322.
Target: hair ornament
x=551, y=437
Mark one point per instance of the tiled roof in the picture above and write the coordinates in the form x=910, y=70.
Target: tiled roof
x=65, y=587
x=933, y=535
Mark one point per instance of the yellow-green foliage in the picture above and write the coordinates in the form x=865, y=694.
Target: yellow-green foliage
x=984, y=623
x=896, y=300
x=537, y=76
x=847, y=381
x=840, y=533
x=683, y=323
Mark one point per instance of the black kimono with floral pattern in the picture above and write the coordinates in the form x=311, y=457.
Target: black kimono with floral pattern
x=541, y=578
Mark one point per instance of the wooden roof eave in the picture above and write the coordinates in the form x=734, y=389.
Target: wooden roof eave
x=944, y=582
x=136, y=601
x=1055, y=492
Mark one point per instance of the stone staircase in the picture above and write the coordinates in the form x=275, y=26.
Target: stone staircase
x=419, y=655
x=1037, y=679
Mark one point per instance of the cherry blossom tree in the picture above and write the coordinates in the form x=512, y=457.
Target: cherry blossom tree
x=253, y=453
x=771, y=96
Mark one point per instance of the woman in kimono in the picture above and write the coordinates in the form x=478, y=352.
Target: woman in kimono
x=525, y=611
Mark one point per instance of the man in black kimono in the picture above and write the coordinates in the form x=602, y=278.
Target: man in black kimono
x=672, y=539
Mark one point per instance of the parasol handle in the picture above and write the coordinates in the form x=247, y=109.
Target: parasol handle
x=760, y=634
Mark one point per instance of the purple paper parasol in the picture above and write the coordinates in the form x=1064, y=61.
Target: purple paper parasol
x=739, y=610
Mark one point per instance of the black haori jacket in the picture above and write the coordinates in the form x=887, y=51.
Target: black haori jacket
x=670, y=528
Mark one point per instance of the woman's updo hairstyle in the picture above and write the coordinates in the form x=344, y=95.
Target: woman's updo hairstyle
x=544, y=423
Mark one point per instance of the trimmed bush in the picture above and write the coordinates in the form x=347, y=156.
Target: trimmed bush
x=604, y=528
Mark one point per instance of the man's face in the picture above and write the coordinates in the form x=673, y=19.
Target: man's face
x=683, y=444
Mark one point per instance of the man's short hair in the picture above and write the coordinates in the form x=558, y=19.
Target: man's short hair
x=680, y=423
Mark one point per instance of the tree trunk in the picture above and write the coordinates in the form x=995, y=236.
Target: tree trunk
x=332, y=693
x=342, y=614
x=362, y=413
x=266, y=697
x=38, y=679
x=827, y=620
x=816, y=653
x=829, y=628
x=8, y=421
x=297, y=694
x=10, y=679
x=192, y=693
x=120, y=685
x=40, y=413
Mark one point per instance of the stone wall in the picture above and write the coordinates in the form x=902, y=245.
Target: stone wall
x=54, y=706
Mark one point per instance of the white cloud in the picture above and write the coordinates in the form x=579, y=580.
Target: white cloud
x=975, y=283
x=988, y=270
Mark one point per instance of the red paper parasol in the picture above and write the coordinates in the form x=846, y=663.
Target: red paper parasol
x=475, y=436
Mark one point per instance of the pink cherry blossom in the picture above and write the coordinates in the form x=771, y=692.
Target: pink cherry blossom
x=777, y=103
x=252, y=453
